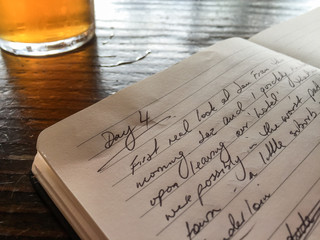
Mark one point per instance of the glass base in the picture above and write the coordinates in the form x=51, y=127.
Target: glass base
x=47, y=48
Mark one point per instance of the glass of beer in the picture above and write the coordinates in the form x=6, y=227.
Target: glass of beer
x=45, y=27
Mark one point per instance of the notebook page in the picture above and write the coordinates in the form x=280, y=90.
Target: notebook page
x=298, y=38
x=223, y=144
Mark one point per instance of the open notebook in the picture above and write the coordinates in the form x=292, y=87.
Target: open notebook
x=224, y=145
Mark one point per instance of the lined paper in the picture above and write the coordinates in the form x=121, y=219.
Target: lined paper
x=223, y=144
x=298, y=38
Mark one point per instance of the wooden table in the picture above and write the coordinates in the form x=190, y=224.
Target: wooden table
x=37, y=92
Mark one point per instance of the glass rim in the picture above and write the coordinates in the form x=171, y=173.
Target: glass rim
x=48, y=48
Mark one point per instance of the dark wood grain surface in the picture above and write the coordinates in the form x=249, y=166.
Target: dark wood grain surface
x=37, y=92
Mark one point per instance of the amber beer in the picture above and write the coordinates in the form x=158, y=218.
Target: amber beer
x=39, y=21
